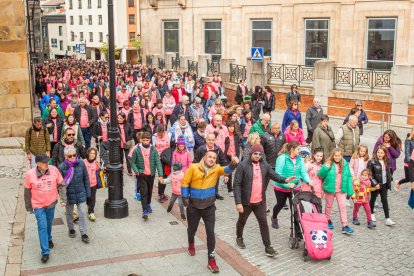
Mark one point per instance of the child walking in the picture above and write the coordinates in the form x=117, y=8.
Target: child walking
x=337, y=183
x=181, y=154
x=313, y=168
x=175, y=179
x=92, y=166
x=380, y=167
x=362, y=188
x=359, y=161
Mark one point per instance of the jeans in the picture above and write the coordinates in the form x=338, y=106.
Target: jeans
x=383, y=191
x=87, y=137
x=259, y=211
x=81, y=214
x=209, y=217
x=44, y=219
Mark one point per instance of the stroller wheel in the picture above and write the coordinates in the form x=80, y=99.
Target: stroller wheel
x=329, y=258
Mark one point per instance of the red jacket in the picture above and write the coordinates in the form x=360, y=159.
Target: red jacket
x=206, y=91
x=176, y=94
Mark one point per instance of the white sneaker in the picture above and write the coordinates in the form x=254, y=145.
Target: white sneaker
x=373, y=218
x=389, y=222
x=231, y=194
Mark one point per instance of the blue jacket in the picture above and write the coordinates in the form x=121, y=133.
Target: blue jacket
x=45, y=101
x=289, y=117
x=79, y=188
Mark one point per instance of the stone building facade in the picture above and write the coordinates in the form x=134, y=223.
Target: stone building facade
x=15, y=101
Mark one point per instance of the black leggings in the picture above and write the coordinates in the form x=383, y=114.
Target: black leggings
x=92, y=200
x=281, y=198
x=406, y=178
x=383, y=191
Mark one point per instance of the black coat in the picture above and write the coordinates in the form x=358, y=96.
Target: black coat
x=269, y=103
x=129, y=132
x=199, y=154
x=239, y=94
x=272, y=146
x=59, y=123
x=198, y=141
x=91, y=115
x=376, y=172
x=178, y=109
x=58, y=155
x=244, y=178
x=237, y=144
x=130, y=118
x=147, y=128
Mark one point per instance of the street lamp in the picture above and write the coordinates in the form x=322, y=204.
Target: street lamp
x=116, y=206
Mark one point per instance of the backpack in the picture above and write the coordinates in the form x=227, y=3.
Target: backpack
x=31, y=130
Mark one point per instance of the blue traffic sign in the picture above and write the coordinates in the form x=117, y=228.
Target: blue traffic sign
x=257, y=54
x=77, y=48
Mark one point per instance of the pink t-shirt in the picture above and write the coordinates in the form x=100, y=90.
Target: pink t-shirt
x=257, y=185
x=232, y=147
x=221, y=137
x=91, y=167
x=176, y=179
x=137, y=119
x=84, y=120
x=247, y=129
x=55, y=131
x=162, y=144
x=121, y=96
x=146, y=154
x=122, y=136
x=104, y=133
x=43, y=189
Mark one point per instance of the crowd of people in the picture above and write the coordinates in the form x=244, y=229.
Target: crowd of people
x=177, y=129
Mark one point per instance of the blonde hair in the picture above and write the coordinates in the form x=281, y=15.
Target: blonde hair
x=330, y=160
x=253, y=137
x=411, y=135
x=356, y=153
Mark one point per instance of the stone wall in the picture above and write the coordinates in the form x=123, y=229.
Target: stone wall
x=15, y=102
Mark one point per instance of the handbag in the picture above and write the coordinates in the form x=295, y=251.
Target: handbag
x=411, y=199
x=101, y=178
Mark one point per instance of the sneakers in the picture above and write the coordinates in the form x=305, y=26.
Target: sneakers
x=355, y=221
x=45, y=258
x=371, y=224
x=347, y=230
x=72, y=233
x=138, y=197
x=219, y=197
x=145, y=215
x=286, y=207
x=389, y=222
x=183, y=217
x=191, y=249
x=212, y=265
x=275, y=223
x=92, y=217
x=149, y=208
x=270, y=252
x=231, y=194
x=373, y=218
x=330, y=224
x=169, y=209
x=85, y=238
x=240, y=243
x=51, y=245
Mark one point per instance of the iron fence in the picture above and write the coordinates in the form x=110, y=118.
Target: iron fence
x=192, y=65
x=161, y=63
x=213, y=67
x=175, y=63
x=148, y=60
x=237, y=73
x=290, y=74
x=362, y=79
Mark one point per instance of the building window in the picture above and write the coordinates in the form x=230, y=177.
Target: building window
x=81, y=36
x=131, y=3
x=131, y=36
x=316, y=40
x=171, y=36
x=89, y=4
x=80, y=20
x=70, y=4
x=90, y=19
x=99, y=4
x=72, y=36
x=60, y=30
x=80, y=4
x=100, y=37
x=212, y=37
x=262, y=35
x=53, y=42
x=381, y=43
x=71, y=20
x=90, y=36
x=131, y=19
x=61, y=45
x=100, y=19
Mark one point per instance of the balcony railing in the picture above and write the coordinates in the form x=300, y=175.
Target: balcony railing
x=148, y=60
x=161, y=63
x=192, y=65
x=213, y=67
x=290, y=74
x=175, y=63
x=362, y=79
x=237, y=72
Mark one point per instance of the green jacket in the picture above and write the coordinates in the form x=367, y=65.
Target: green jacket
x=46, y=111
x=328, y=174
x=285, y=167
x=137, y=161
x=258, y=127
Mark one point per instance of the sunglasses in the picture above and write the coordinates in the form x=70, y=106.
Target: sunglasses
x=71, y=155
x=70, y=134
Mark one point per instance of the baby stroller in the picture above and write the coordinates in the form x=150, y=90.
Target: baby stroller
x=308, y=222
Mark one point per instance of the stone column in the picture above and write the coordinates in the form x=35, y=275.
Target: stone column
x=225, y=68
x=184, y=62
x=168, y=60
x=402, y=83
x=255, y=76
x=202, y=64
x=323, y=80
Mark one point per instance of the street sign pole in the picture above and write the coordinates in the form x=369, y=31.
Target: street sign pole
x=257, y=54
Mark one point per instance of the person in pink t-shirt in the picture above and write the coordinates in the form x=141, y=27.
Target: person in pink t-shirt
x=92, y=166
x=250, y=184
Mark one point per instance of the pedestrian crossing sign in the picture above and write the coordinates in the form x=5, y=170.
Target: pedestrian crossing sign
x=257, y=54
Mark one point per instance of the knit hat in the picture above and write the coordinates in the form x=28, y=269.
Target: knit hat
x=181, y=140
x=257, y=148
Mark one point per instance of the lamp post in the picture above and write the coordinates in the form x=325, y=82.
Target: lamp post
x=116, y=206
